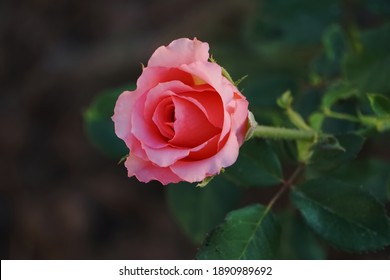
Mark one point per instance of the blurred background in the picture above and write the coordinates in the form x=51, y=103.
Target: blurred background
x=61, y=198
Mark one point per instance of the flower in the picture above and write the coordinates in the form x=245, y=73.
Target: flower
x=185, y=121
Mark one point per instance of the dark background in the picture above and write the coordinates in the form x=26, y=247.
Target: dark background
x=60, y=197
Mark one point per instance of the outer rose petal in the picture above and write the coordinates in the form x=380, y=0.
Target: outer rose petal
x=122, y=113
x=146, y=171
x=211, y=74
x=153, y=76
x=164, y=157
x=122, y=120
x=180, y=51
x=239, y=117
x=144, y=129
x=195, y=171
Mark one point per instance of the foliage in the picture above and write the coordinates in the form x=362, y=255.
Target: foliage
x=337, y=70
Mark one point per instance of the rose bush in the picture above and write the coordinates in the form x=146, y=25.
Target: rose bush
x=185, y=121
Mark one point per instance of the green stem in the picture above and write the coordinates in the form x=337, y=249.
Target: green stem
x=286, y=184
x=341, y=116
x=262, y=131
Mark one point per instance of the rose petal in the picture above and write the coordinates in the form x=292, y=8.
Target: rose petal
x=166, y=156
x=122, y=113
x=240, y=118
x=146, y=171
x=209, y=102
x=195, y=171
x=144, y=129
x=181, y=51
x=122, y=121
x=160, y=92
x=152, y=76
x=208, y=149
x=211, y=73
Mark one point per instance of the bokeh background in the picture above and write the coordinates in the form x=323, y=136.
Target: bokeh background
x=61, y=198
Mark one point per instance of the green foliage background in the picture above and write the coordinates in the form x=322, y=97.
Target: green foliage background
x=333, y=56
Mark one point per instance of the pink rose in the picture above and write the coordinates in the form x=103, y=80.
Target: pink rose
x=185, y=121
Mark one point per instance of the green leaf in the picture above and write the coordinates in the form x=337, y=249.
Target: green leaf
x=342, y=214
x=331, y=152
x=297, y=241
x=248, y=233
x=257, y=165
x=380, y=104
x=198, y=210
x=99, y=126
x=371, y=175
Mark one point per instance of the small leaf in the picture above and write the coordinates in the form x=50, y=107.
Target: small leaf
x=198, y=210
x=252, y=123
x=304, y=150
x=380, y=104
x=240, y=80
x=297, y=120
x=285, y=101
x=334, y=42
x=99, y=126
x=342, y=214
x=226, y=74
x=337, y=92
x=316, y=120
x=257, y=165
x=205, y=182
x=248, y=233
x=331, y=152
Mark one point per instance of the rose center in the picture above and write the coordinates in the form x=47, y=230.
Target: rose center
x=182, y=122
x=164, y=117
x=191, y=126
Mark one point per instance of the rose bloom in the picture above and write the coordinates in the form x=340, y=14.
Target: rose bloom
x=185, y=121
